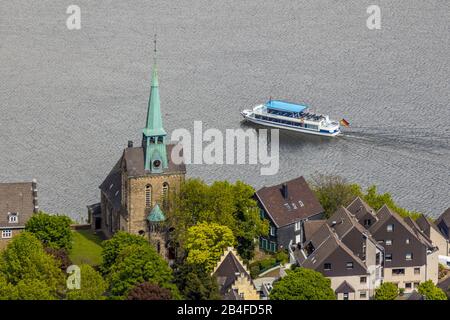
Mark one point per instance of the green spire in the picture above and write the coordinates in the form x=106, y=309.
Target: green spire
x=154, y=140
x=154, y=125
x=156, y=215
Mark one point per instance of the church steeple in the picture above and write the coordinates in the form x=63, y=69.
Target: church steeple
x=154, y=135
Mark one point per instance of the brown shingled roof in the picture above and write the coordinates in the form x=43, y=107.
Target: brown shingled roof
x=16, y=198
x=301, y=203
x=310, y=227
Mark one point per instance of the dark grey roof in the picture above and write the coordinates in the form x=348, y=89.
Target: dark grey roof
x=17, y=198
x=444, y=217
x=112, y=185
x=385, y=213
x=311, y=227
x=228, y=272
x=345, y=287
x=424, y=224
x=419, y=233
x=301, y=203
x=325, y=241
x=359, y=208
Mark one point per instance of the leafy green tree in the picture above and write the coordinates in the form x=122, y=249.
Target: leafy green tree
x=206, y=242
x=333, y=192
x=376, y=201
x=386, y=291
x=52, y=230
x=431, y=292
x=25, y=259
x=302, y=284
x=149, y=291
x=137, y=264
x=33, y=289
x=195, y=283
x=7, y=290
x=113, y=247
x=92, y=285
x=223, y=203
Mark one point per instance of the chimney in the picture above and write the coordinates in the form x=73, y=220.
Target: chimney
x=333, y=223
x=35, y=197
x=130, y=144
x=284, y=191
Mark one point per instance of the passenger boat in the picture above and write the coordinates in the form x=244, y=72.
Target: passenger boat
x=291, y=116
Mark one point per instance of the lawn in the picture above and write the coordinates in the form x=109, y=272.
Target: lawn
x=86, y=248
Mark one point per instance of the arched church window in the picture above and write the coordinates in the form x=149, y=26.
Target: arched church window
x=165, y=194
x=148, y=196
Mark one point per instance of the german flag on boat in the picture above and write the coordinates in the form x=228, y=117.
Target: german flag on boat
x=344, y=123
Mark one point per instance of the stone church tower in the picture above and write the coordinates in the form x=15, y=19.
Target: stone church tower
x=137, y=193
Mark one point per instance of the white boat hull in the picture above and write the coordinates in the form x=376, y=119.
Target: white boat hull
x=247, y=116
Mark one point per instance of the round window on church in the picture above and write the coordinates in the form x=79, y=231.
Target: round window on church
x=156, y=163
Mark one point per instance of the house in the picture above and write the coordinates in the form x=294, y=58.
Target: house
x=18, y=202
x=437, y=238
x=136, y=194
x=234, y=278
x=443, y=225
x=345, y=252
x=409, y=255
x=287, y=206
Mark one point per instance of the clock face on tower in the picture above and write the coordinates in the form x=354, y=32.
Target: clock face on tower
x=156, y=163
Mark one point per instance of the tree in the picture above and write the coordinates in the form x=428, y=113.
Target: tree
x=33, y=289
x=333, y=192
x=61, y=256
x=92, y=285
x=149, y=291
x=206, y=242
x=52, y=230
x=376, y=201
x=195, y=283
x=223, y=203
x=137, y=264
x=113, y=247
x=25, y=259
x=386, y=291
x=302, y=284
x=431, y=292
x=7, y=290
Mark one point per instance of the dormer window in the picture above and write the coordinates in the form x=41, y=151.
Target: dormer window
x=390, y=228
x=13, y=218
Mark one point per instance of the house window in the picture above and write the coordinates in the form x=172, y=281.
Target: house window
x=6, y=234
x=327, y=266
x=408, y=285
x=349, y=265
x=390, y=228
x=407, y=240
x=409, y=256
x=388, y=257
x=398, y=272
x=388, y=242
x=273, y=246
x=148, y=196
x=363, y=280
x=363, y=295
x=416, y=285
x=297, y=226
x=165, y=195
x=261, y=213
x=272, y=231
x=264, y=244
x=416, y=270
x=13, y=218
x=345, y=296
x=367, y=222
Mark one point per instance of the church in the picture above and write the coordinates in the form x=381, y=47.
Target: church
x=137, y=193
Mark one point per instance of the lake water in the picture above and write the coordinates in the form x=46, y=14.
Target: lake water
x=70, y=100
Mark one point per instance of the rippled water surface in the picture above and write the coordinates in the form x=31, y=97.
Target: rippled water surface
x=70, y=100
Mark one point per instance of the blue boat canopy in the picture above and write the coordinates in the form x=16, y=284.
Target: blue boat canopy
x=285, y=106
